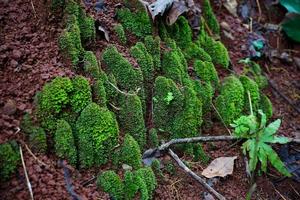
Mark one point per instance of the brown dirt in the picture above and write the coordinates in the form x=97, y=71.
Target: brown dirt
x=30, y=57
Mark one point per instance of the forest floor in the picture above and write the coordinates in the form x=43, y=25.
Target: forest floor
x=29, y=57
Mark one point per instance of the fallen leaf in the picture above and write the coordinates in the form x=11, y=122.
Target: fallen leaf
x=176, y=10
x=221, y=166
x=231, y=5
x=104, y=31
x=159, y=7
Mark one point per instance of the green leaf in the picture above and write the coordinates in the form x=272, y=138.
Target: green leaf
x=291, y=26
x=263, y=119
x=250, y=146
x=280, y=140
x=275, y=160
x=291, y=5
x=272, y=128
x=263, y=159
x=245, y=126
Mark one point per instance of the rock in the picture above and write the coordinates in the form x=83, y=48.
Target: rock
x=9, y=108
x=126, y=167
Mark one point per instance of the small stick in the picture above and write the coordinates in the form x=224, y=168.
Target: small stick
x=33, y=9
x=87, y=182
x=26, y=175
x=39, y=161
x=221, y=118
x=116, y=88
x=259, y=10
x=115, y=107
x=195, y=176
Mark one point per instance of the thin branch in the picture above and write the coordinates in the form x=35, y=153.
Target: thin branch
x=26, y=175
x=125, y=93
x=195, y=176
x=38, y=160
x=33, y=9
x=221, y=118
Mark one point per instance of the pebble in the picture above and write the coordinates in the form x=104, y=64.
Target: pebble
x=9, y=108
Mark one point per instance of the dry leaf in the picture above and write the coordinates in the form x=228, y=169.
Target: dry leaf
x=176, y=10
x=221, y=166
x=104, y=31
x=159, y=7
x=231, y=5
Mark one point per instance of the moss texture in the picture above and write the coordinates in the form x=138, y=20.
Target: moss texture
x=153, y=138
x=167, y=102
x=136, y=22
x=266, y=105
x=205, y=92
x=111, y=183
x=87, y=26
x=38, y=140
x=194, y=51
x=149, y=178
x=210, y=17
x=200, y=155
x=90, y=64
x=9, y=160
x=133, y=184
x=97, y=131
x=64, y=142
x=153, y=47
x=27, y=124
x=130, y=153
x=251, y=86
x=99, y=93
x=119, y=29
x=81, y=95
x=206, y=72
x=131, y=118
x=230, y=102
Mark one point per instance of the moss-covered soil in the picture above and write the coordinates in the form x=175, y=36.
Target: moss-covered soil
x=68, y=94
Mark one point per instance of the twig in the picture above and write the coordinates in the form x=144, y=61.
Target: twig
x=273, y=85
x=195, y=176
x=68, y=182
x=26, y=175
x=259, y=10
x=39, y=161
x=33, y=9
x=87, y=182
x=115, y=107
x=116, y=88
x=221, y=118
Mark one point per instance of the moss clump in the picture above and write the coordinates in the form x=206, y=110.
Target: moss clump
x=87, y=27
x=126, y=76
x=199, y=154
x=134, y=184
x=205, y=92
x=9, y=160
x=167, y=102
x=70, y=42
x=81, y=95
x=27, y=124
x=119, y=29
x=230, y=102
x=252, y=87
x=130, y=153
x=155, y=165
x=38, y=140
x=99, y=94
x=64, y=142
x=131, y=118
x=111, y=183
x=90, y=65
x=153, y=138
x=144, y=59
x=194, y=51
x=210, y=17
x=153, y=47
x=149, y=178
x=97, y=131
x=266, y=105
x=215, y=49
x=136, y=22
x=72, y=8
x=207, y=72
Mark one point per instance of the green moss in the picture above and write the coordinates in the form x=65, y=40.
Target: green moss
x=261, y=81
x=90, y=65
x=81, y=95
x=99, y=94
x=162, y=30
x=167, y=102
x=9, y=161
x=153, y=138
x=199, y=154
x=72, y=8
x=64, y=142
x=205, y=92
x=155, y=165
x=27, y=124
x=130, y=153
x=210, y=17
x=111, y=183
x=119, y=29
x=57, y=4
x=111, y=93
x=266, y=105
x=144, y=59
x=131, y=118
x=38, y=140
x=97, y=132
x=187, y=123
x=135, y=184
x=170, y=168
x=87, y=27
x=149, y=178
x=126, y=76
x=153, y=47
x=137, y=22
x=207, y=72
x=230, y=102
x=252, y=87
x=194, y=51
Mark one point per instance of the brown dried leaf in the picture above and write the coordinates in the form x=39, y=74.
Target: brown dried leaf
x=221, y=166
x=176, y=10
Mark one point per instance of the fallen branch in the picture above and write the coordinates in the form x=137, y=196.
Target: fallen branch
x=26, y=175
x=195, y=176
x=125, y=93
x=38, y=160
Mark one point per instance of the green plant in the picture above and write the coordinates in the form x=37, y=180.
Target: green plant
x=130, y=153
x=210, y=17
x=97, y=131
x=64, y=142
x=111, y=183
x=137, y=22
x=153, y=47
x=258, y=136
x=9, y=160
x=81, y=95
x=131, y=118
x=90, y=65
x=251, y=87
x=119, y=29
